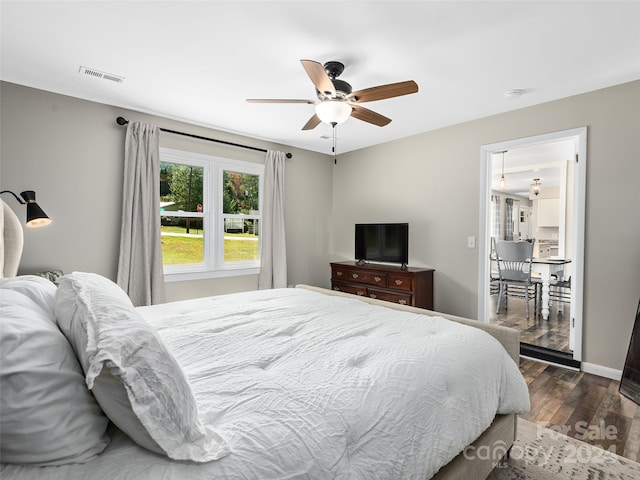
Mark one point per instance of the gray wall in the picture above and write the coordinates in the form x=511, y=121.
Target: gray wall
x=432, y=181
x=70, y=151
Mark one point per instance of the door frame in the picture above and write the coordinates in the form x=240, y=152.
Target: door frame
x=579, y=135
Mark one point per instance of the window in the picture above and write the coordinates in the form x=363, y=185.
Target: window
x=210, y=212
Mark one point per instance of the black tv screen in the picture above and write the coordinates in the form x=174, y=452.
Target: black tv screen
x=382, y=242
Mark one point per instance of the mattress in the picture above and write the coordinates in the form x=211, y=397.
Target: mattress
x=305, y=385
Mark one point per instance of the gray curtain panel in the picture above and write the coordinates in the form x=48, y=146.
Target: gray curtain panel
x=495, y=217
x=273, y=259
x=508, y=219
x=140, y=265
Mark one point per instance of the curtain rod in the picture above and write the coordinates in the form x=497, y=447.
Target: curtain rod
x=124, y=121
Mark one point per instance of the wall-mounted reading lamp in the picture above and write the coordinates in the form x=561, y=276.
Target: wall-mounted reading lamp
x=35, y=215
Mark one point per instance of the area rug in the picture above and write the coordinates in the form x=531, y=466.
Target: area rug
x=540, y=454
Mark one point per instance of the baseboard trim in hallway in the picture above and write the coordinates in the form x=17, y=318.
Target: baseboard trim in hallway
x=548, y=355
x=532, y=359
x=560, y=359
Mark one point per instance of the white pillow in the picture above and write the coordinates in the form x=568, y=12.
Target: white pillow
x=47, y=415
x=135, y=379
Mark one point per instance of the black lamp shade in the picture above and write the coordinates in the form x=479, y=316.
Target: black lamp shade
x=35, y=215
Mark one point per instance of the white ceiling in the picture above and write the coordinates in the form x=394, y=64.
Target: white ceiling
x=198, y=61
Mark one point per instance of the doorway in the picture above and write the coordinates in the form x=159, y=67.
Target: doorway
x=550, y=210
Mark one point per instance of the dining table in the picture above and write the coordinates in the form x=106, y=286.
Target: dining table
x=545, y=267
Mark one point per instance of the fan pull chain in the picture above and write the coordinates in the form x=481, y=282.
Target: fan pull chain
x=333, y=149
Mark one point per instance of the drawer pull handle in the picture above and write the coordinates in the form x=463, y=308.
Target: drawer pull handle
x=339, y=274
x=372, y=295
x=377, y=279
x=354, y=275
x=402, y=302
x=399, y=282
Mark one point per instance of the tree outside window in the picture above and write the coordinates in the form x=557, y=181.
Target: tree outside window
x=181, y=209
x=241, y=214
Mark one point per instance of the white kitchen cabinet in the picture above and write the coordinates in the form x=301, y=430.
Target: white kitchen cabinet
x=548, y=212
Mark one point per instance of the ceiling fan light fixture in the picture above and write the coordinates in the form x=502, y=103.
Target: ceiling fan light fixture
x=335, y=99
x=333, y=112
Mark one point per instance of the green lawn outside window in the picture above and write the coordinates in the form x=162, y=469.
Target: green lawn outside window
x=178, y=250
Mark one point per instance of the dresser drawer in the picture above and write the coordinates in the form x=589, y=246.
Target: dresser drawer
x=401, y=282
x=359, y=276
x=389, y=296
x=349, y=288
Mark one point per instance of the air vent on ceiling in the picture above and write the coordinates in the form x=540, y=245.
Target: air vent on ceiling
x=98, y=74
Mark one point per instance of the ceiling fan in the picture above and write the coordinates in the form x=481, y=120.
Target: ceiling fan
x=336, y=101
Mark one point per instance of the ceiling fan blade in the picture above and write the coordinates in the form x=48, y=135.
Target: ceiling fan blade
x=382, y=92
x=312, y=123
x=319, y=77
x=369, y=116
x=278, y=100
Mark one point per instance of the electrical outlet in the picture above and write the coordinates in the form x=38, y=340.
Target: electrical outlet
x=471, y=242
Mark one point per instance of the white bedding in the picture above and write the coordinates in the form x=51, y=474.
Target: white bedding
x=304, y=385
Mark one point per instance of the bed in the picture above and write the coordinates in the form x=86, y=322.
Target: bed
x=286, y=383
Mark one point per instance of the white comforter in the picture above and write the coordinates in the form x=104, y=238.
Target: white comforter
x=304, y=385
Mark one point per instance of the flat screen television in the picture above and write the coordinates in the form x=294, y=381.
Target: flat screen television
x=382, y=242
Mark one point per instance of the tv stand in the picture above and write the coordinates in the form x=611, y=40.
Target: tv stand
x=391, y=283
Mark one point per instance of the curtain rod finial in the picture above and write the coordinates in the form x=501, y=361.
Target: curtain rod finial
x=121, y=121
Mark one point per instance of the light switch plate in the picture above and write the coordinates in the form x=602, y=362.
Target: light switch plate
x=471, y=242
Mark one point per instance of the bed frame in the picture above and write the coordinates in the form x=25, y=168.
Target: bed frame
x=494, y=443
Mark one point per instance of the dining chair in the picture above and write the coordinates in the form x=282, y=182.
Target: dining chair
x=514, y=259
x=560, y=290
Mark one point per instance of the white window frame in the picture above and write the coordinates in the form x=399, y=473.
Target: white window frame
x=214, y=265
x=251, y=169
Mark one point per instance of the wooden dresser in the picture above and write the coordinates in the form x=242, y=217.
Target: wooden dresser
x=413, y=286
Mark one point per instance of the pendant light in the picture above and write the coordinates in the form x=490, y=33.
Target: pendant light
x=503, y=181
x=536, y=187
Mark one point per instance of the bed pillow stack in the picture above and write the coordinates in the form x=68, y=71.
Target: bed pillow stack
x=134, y=377
x=47, y=415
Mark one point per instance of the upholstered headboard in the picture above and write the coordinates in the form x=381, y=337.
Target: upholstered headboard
x=11, y=241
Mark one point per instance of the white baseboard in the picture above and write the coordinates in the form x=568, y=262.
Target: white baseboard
x=607, y=372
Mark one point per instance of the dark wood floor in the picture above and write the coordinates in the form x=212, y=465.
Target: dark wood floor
x=552, y=333
x=583, y=406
